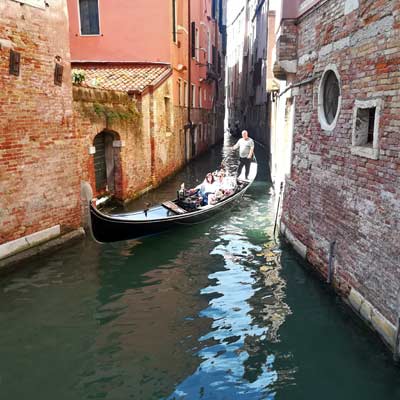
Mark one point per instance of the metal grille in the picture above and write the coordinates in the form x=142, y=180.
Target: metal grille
x=371, y=125
x=100, y=162
x=15, y=62
x=331, y=96
x=58, y=74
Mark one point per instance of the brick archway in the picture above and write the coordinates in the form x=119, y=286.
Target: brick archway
x=107, y=163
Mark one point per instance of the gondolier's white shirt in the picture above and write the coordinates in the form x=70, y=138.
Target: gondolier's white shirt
x=245, y=146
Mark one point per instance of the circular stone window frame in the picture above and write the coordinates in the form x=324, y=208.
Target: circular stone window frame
x=321, y=113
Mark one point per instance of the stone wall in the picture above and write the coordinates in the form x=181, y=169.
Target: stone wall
x=334, y=194
x=115, y=112
x=148, y=133
x=39, y=179
x=286, y=48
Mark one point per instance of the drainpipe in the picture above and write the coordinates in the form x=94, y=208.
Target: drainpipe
x=189, y=121
x=152, y=137
x=189, y=124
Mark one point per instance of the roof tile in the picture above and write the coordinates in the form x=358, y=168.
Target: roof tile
x=124, y=77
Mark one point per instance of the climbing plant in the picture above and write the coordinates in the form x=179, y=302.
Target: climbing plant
x=126, y=112
x=78, y=77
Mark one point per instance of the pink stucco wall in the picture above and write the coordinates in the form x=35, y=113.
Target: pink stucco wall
x=295, y=8
x=200, y=12
x=139, y=32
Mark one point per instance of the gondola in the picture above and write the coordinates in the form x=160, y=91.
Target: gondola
x=115, y=227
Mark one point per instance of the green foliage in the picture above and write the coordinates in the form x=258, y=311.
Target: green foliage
x=124, y=113
x=78, y=77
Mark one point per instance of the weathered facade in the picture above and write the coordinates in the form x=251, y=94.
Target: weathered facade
x=250, y=79
x=39, y=175
x=125, y=121
x=341, y=208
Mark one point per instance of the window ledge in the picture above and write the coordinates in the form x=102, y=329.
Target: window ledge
x=365, y=151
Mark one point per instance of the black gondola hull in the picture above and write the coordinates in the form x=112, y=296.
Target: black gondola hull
x=111, y=228
x=108, y=229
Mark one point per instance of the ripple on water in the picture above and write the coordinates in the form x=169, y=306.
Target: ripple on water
x=235, y=360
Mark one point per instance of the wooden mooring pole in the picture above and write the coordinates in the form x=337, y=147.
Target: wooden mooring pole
x=277, y=208
x=396, y=350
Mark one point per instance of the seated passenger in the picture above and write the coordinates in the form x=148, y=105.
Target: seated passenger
x=206, y=188
x=225, y=186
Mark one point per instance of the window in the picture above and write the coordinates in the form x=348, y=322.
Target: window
x=214, y=8
x=167, y=107
x=193, y=96
x=89, y=17
x=197, y=43
x=174, y=23
x=209, y=48
x=180, y=97
x=365, y=133
x=193, y=39
x=200, y=99
x=58, y=74
x=186, y=94
x=329, y=98
x=214, y=56
x=257, y=74
x=15, y=63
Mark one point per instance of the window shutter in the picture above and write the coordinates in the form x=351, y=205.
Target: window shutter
x=174, y=20
x=214, y=56
x=15, y=63
x=89, y=15
x=193, y=39
x=58, y=74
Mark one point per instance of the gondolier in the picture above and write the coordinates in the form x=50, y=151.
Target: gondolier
x=246, y=152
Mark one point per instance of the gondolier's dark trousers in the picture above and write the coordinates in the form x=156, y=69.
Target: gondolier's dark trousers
x=244, y=162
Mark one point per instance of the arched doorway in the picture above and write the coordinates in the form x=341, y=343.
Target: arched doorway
x=105, y=161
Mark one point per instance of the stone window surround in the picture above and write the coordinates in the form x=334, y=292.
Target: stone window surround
x=367, y=150
x=321, y=114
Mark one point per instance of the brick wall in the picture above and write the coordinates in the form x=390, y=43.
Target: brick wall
x=333, y=194
x=286, y=46
x=152, y=147
x=39, y=181
x=133, y=158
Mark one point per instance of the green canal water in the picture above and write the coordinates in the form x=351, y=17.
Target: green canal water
x=185, y=315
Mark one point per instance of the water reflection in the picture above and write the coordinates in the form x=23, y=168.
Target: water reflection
x=236, y=360
x=195, y=313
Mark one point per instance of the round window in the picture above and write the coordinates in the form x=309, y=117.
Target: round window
x=331, y=96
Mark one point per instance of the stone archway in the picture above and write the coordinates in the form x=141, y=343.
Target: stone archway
x=106, y=162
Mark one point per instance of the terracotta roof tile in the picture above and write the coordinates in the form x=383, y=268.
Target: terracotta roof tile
x=124, y=77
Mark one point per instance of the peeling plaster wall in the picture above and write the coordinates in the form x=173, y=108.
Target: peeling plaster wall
x=133, y=161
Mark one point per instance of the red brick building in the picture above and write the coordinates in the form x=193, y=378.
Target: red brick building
x=341, y=209
x=39, y=176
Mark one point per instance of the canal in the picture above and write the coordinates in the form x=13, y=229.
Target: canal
x=194, y=313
